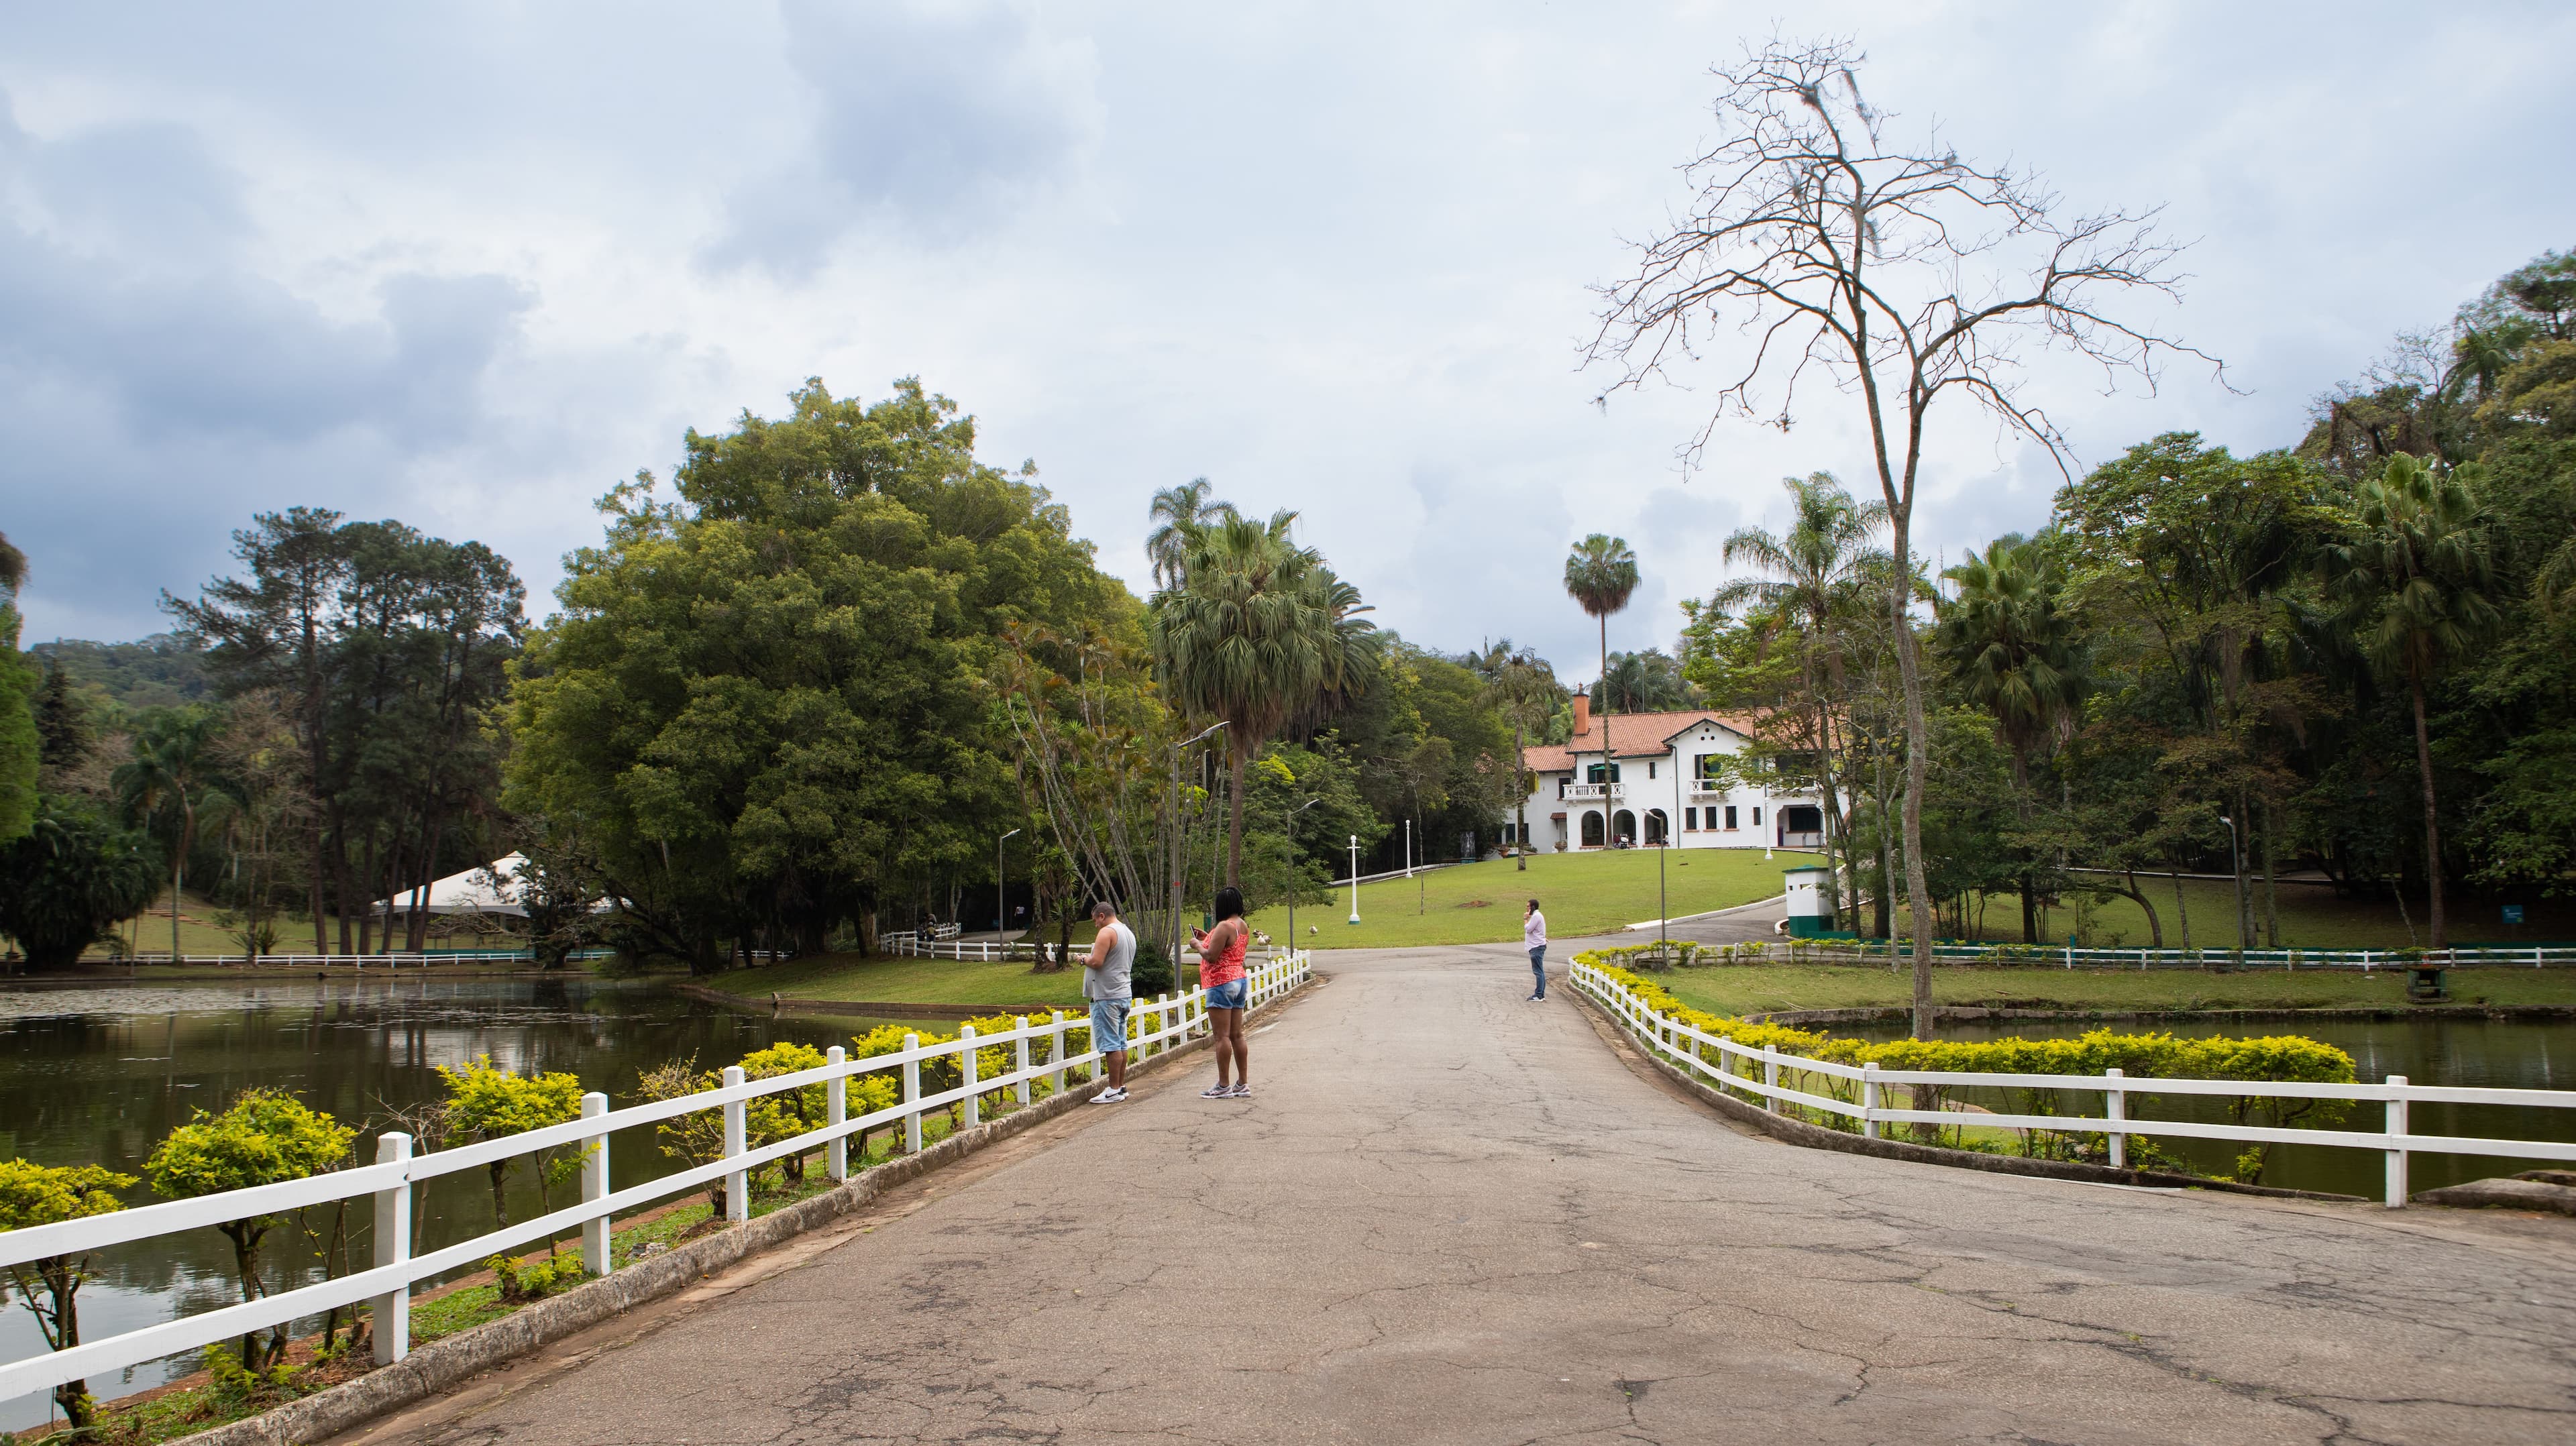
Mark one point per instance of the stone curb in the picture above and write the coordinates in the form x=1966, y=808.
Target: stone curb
x=446, y=1363
x=1817, y=1137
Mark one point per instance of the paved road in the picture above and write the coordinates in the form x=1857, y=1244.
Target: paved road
x=1452, y=1216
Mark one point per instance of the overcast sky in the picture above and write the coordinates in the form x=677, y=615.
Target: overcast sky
x=467, y=265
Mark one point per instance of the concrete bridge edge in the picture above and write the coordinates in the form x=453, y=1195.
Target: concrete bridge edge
x=446, y=1364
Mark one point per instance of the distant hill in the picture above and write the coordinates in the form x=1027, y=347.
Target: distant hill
x=163, y=670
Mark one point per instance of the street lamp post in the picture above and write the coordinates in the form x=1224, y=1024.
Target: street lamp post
x=2236, y=865
x=1292, y=868
x=1355, y=878
x=1001, y=892
x=1172, y=925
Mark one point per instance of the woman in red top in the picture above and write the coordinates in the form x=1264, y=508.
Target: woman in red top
x=1221, y=975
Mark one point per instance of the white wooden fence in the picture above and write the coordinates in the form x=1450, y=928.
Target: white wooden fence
x=2078, y=956
x=1154, y=1026
x=1757, y=1072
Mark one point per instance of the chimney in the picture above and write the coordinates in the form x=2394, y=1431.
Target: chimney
x=1582, y=714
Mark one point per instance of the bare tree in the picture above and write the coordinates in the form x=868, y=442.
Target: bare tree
x=1899, y=275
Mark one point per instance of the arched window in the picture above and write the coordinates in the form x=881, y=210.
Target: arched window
x=1591, y=830
x=1658, y=828
x=1626, y=823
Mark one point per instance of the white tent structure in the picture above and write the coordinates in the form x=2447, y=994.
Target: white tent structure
x=492, y=889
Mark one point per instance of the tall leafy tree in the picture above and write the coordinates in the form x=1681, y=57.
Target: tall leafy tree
x=166, y=783
x=2016, y=652
x=763, y=707
x=2414, y=573
x=21, y=748
x=1524, y=688
x=1806, y=580
x=69, y=880
x=1257, y=631
x=1177, y=514
x=1601, y=575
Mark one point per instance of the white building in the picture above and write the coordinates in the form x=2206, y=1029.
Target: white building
x=1663, y=770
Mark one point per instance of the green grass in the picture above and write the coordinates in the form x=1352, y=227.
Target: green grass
x=911, y=981
x=1581, y=894
x=1746, y=989
x=2312, y=916
x=199, y=933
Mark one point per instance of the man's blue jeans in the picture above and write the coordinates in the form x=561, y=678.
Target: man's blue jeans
x=1538, y=966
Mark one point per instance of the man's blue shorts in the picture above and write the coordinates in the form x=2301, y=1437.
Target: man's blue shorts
x=1109, y=1025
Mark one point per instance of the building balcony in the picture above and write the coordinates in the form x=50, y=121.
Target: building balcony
x=1709, y=788
x=1592, y=792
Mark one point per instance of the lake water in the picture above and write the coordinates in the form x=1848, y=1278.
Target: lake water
x=2504, y=1054
x=100, y=1075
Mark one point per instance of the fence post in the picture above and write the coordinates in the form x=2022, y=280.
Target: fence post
x=594, y=1187
x=393, y=1247
x=911, y=1093
x=737, y=1136
x=1024, y=1059
x=1055, y=1050
x=836, y=1112
x=2115, y=1107
x=966, y=1053
x=1869, y=1098
x=1771, y=1076
x=2397, y=1158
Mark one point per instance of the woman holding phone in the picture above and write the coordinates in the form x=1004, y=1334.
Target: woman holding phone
x=1221, y=974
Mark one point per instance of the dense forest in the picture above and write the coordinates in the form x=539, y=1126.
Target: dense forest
x=2348, y=655
x=804, y=691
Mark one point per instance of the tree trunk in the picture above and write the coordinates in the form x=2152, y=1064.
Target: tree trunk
x=1918, y=761
x=1234, y=820
x=1601, y=714
x=1520, y=775
x=2182, y=910
x=2434, y=926
x=500, y=1170
x=321, y=940
x=2241, y=857
x=2155, y=926
x=2271, y=896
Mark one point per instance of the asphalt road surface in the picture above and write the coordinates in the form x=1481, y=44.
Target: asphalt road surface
x=1449, y=1215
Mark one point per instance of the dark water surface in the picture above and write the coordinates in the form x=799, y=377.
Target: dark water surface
x=2487, y=1053
x=98, y=1075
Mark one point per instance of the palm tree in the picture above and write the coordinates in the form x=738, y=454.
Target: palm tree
x=1255, y=631
x=2019, y=655
x=1806, y=577
x=1177, y=514
x=2413, y=573
x=167, y=775
x=1601, y=575
x=1522, y=684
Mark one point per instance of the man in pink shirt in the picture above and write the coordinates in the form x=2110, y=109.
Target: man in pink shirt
x=1534, y=935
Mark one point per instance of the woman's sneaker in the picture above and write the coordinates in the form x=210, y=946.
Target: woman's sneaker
x=1109, y=1096
x=1239, y=1092
x=1217, y=1092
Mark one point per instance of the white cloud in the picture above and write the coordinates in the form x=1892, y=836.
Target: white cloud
x=466, y=268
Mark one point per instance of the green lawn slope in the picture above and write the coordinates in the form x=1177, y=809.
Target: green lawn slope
x=1596, y=893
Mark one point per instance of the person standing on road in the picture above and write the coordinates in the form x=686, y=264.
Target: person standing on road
x=1534, y=937
x=1221, y=975
x=1107, y=982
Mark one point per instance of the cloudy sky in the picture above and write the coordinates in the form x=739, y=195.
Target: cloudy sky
x=466, y=265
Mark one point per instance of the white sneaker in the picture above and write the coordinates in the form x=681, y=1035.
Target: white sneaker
x=1216, y=1092
x=1109, y=1096
x=1239, y=1092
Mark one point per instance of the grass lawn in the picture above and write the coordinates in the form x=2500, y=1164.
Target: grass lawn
x=1745, y=989
x=910, y=981
x=1581, y=894
x=149, y=932
x=2312, y=916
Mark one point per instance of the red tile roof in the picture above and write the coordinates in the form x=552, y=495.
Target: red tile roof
x=1632, y=735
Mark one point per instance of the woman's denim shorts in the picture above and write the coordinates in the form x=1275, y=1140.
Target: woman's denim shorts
x=1229, y=995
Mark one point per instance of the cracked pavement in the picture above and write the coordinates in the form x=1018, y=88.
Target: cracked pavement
x=1452, y=1216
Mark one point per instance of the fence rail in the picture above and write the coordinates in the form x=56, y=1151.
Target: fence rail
x=1154, y=1027
x=1708, y=1055
x=397, y=960
x=2083, y=956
